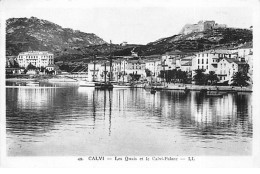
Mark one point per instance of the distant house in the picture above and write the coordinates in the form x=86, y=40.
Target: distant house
x=53, y=68
x=187, y=67
x=228, y=67
x=12, y=70
x=136, y=67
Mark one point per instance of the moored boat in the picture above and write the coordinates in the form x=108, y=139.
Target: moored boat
x=32, y=83
x=62, y=80
x=87, y=84
x=104, y=85
x=122, y=85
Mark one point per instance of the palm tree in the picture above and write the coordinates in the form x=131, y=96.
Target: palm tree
x=212, y=77
x=240, y=79
x=199, y=77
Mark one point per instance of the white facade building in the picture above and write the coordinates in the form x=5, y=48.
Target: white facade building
x=154, y=66
x=36, y=58
x=208, y=60
x=227, y=67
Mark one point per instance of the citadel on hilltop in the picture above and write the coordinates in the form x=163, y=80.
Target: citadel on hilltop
x=201, y=26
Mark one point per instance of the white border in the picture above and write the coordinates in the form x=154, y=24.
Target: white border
x=209, y=161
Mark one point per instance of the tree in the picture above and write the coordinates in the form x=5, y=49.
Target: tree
x=42, y=69
x=30, y=66
x=14, y=65
x=212, y=77
x=135, y=77
x=199, y=77
x=148, y=72
x=240, y=79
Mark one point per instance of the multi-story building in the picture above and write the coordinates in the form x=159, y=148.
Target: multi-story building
x=136, y=67
x=208, y=60
x=36, y=58
x=227, y=67
x=154, y=65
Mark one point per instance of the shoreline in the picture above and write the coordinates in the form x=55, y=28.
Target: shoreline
x=168, y=86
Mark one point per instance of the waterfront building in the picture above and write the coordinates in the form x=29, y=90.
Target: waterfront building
x=136, y=67
x=227, y=67
x=187, y=67
x=153, y=63
x=54, y=68
x=208, y=60
x=245, y=49
x=249, y=61
x=36, y=58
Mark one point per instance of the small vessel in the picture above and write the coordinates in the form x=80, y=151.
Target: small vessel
x=87, y=84
x=104, y=85
x=153, y=91
x=214, y=94
x=122, y=85
x=32, y=83
x=186, y=90
x=203, y=90
x=62, y=80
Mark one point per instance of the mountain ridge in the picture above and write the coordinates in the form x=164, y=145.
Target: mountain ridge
x=25, y=34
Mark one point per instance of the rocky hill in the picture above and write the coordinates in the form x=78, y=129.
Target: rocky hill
x=23, y=34
x=197, y=41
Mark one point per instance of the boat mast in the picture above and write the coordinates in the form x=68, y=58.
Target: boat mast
x=110, y=62
x=124, y=73
x=105, y=72
x=94, y=72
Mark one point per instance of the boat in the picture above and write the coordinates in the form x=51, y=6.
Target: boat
x=104, y=85
x=153, y=91
x=122, y=85
x=203, y=90
x=186, y=90
x=107, y=84
x=214, y=94
x=32, y=83
x=87, y=84
x=61, y=80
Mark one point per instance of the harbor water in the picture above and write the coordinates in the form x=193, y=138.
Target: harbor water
x=77, y=121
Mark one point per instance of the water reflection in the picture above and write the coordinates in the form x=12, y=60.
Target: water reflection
x=126, y=121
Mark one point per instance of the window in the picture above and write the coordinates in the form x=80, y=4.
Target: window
x=198, y=55
x=198, y=67
x=202, y=61
x=207, y=61
x=202, y=67
x=198, y=61
x=202, y=55
x=207, y=66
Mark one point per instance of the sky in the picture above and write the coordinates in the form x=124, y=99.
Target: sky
x=133, y=21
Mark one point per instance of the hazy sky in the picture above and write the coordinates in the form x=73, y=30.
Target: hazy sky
x=135, y=21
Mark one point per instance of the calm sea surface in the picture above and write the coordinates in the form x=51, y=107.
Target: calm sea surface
x=76, y=120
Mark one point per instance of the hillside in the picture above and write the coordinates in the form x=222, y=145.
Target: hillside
x=23, y=34
x=197, y=41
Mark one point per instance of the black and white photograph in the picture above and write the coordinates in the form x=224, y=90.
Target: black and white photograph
x=170, y=82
